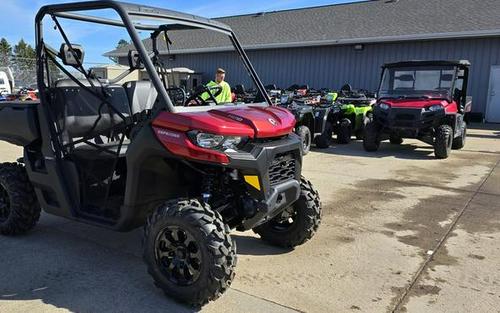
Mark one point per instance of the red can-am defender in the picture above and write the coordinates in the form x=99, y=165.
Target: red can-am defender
x=140, y=154
x=426, y=100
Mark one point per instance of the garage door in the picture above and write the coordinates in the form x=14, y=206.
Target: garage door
x=493, y=110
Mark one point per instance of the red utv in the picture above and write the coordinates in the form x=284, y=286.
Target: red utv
x=141, y=155
x=426, y=100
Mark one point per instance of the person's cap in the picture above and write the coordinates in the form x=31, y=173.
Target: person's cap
x=221, y=71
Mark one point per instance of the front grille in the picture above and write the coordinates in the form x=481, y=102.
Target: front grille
x=282, y=169
x=403, y=124
x=405, y=117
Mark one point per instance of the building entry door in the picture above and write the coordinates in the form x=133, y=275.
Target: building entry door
x=493, y=107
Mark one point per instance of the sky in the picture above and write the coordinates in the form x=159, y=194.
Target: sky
x=17, y=19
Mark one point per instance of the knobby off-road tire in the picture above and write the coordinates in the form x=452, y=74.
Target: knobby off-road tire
x=345, y=132
x=19, y=208
x=303, y=222
x=459, y=142
x=395, y=139
x=371, y=141
x=306, y=139
x=324, y=140
x=360, y=133
x=189, y=251
x=443, y=141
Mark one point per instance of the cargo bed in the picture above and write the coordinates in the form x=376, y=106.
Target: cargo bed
x=19, y=122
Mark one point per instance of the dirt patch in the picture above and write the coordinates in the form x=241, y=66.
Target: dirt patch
x=477, y=257
x=422, y=221
x=467, y=170
x=425, y=290
x=345, y=239
x=358, y=200
x=482, y=216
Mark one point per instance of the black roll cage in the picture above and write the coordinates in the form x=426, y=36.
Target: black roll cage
x=125, y=11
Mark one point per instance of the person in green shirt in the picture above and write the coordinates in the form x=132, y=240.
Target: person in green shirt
x=225, y=96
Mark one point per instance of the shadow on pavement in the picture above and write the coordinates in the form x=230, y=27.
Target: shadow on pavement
x=404, y=151
x=82, y=268
x=495, y=135
x=247, y=245
x=80, y=276
x=483, y=126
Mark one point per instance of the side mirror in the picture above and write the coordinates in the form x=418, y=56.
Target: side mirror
x=134, y=60
x=72, y=58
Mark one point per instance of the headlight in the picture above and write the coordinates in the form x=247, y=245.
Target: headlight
x=231, y=142
x=209, y=141
x=212, y=141
x=435, y=108
x=384, y=106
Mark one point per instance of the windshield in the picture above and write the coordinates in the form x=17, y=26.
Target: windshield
x=433, y=82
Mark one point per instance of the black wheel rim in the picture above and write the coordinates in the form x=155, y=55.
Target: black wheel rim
x=178, y=255
x=285, y=220
x=4, y=204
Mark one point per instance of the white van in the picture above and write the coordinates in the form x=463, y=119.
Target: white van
x=5, y=87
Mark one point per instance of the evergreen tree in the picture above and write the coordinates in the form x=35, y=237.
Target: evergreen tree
x=24, y=63
x=5, y=52
x=24, y=51
x=122, y=43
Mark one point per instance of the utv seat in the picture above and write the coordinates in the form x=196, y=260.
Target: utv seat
x=141, y=95
x=77, y=112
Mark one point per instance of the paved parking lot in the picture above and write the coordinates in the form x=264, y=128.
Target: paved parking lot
x=401, y=232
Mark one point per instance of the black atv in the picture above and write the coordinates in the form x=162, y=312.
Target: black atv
x=318, y=117
x=124, y=156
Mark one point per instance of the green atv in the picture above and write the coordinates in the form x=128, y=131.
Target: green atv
x=356, y=107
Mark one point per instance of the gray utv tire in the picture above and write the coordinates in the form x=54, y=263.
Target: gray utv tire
x=395, y=140
x=19, y=208
x=306, y=138
x=371, y=141
x=189, y=251
x=324, y=140
x=459, y=142
x=443, y=142
x=305, y=215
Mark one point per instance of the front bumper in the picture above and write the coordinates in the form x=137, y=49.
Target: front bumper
x=408, y=119
x=278, y=165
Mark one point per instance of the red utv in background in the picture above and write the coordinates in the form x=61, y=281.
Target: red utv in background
x=426, y=100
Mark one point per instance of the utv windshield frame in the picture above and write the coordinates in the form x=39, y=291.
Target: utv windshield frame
x=456, y=66
x=128, y=13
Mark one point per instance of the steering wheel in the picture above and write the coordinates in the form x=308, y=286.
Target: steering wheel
x=177, y=95
x=199, y=91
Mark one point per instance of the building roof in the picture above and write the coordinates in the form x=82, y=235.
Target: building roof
x=358, y=22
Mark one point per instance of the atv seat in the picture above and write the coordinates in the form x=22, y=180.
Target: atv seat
x=81, y=114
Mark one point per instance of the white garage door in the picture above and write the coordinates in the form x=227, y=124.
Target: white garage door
x=493, y=110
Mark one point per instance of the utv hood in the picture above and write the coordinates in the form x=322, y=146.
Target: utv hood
x=251, y=121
